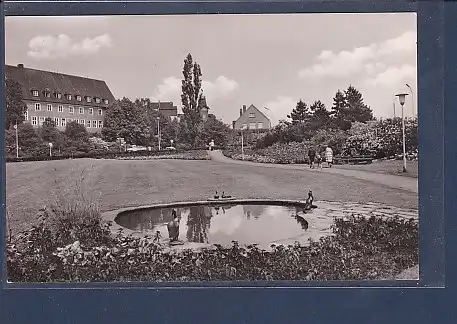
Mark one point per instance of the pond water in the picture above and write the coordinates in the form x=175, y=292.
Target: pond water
x=221, y=224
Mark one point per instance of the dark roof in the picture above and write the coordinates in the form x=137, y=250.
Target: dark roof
x=164, y=105
x=31, y=79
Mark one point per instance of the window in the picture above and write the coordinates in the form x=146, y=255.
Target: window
x=91, y=111
x=251, y=115
x=71, y=110
x=82, y=122
x=100, y=124
x=56, y=121
x=88, y=99
x=49, y=107
x=41, y=120
x=63, y=122
x=68, y=96
x=244, y=126
x=81, y=110
x=34, y=120
x=47, y=94
x=88, y=124
x=259, y=125
x=100, y=112
x=252, y=125
x=98, y=100
x=26, y=115
x=58, y=95
x=78, y=98
x=105, y=101
x=38, y=106
x=60, y=108
x=35, y=93
x=94, y=124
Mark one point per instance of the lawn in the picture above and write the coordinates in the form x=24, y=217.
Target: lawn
x=394, y=167
x=31, y=185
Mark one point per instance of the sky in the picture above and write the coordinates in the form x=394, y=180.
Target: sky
x=270, y=61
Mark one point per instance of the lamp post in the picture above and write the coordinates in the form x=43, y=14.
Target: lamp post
x=171, y=141
x=412, y=98
x=401, y=98
x=17, y=141
x=50, y=149
x=242, y=144
x=158, y=130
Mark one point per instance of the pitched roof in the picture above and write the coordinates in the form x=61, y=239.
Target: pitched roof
x=254, y=107
x=31, y=79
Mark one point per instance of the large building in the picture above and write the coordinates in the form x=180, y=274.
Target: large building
x=62, y=97
x=165, y=108
x=252, y=119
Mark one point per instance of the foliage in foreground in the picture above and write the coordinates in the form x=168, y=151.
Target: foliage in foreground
x=360, y=248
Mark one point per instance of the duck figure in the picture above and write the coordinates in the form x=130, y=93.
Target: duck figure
x=224, y=196
x=216, y=196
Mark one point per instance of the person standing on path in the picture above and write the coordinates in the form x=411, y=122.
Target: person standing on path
x=329, y=156
x=311, y=156
x=211, y=145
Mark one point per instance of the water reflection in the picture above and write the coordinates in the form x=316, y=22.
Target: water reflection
x=247, y=224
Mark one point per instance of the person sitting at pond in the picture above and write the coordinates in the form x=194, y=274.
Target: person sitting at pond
x=312, y=157
x=329, y=156
x=173, y=227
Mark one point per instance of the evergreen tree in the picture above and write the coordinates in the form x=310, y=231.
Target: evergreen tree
x=15, y=107
x=49, y=132
x=339, y=111
x=357, y=111
x=320, y=115
x=300, y=114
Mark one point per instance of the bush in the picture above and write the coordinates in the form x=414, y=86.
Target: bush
x=359, y=248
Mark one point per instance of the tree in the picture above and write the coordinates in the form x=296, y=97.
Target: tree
x=112, y=124
x=339, y=111
x=300, y=114
x=357, y=111
x=15, y=106
x=191, y=87
x=77, y=138
x=320, y=116
x=49, y=132
x=213, y=129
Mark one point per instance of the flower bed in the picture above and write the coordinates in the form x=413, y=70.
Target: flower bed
x=280, y=153
x=193, y=155
x=359, y=248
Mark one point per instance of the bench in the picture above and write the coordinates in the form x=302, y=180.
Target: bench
x=360, y=159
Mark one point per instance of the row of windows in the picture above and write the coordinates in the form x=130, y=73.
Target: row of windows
x=62, y=122
x=69, y=97
x=252, y=126
x=71, y=109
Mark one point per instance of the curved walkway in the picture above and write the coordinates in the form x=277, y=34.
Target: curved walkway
x=393, y=181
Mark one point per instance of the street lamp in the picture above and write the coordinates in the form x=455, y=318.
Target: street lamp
x=50, y=149
x=401, y=98
x=17, y=141
x=158, y=130
x=412, y=97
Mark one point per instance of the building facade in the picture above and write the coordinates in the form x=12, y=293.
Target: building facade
x=64, y=98
x=165, y=108
x=252, y=119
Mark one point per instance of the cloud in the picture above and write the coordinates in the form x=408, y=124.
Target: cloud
x=62, y=46
x=394, y=76
x=359, y=59
x=279, y=108
x=170, y=89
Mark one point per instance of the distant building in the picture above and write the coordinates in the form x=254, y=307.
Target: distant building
x=252, y=119
x=62, y=97
x=165, y=108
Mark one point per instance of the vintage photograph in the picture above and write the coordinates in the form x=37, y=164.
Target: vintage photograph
x=211, y=148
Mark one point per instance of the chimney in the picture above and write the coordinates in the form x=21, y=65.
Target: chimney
x=21, y=66
x=241, y=112
x=233, y=124
x=244, y=109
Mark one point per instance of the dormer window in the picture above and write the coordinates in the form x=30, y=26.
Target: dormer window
x=35, y=93
x=47, y=94
x=88, y=99
x=78, y=98
x=98, y=100
x=69, y=96
x=58, y=95
x=105, y=101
